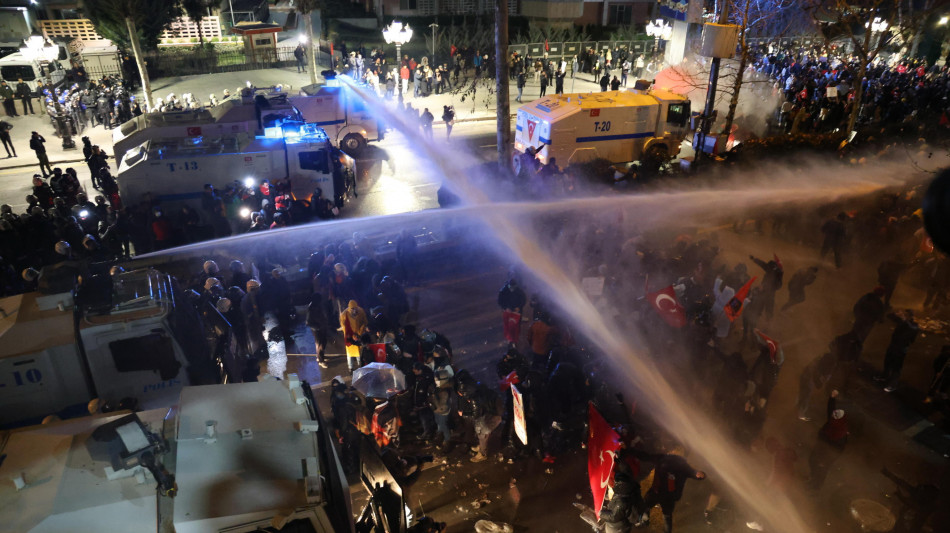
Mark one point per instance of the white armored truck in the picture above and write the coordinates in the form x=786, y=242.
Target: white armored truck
x=640, y=124
x=174, y=171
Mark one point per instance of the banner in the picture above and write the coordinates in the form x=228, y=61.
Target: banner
x=520, y=429
x=512, y=325
x=602, y=445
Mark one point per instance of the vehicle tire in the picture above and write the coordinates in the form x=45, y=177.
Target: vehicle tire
x=653, y=159
x=353, y=144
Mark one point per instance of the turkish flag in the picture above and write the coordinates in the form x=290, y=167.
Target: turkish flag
x=546, y=47
x=512, y=326
x=668, y=307
x=602, y=445
x=379, y=352
x=509, y=380
x=734, y=308
x=770, y=343
x=194, y=131
x=531, y=125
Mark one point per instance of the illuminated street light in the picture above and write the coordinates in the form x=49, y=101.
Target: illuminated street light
x=302, y=39
x=943, y=21
x=878, y=25
x=37, y=48
x=397, y=33
x=659, y=29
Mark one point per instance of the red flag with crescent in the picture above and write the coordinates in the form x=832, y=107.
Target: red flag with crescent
x=511, y=379
x=602, y=445
x=734, y=308
x=512, y=326
x=668, y=307
x=379, y=352
x=770, y=343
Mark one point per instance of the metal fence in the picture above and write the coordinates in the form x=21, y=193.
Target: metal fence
x=643, y=44
x=161, y=65
x=212, y=62
x=565, y=50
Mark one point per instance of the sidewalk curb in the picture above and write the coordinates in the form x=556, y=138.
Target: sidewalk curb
x=52, y=163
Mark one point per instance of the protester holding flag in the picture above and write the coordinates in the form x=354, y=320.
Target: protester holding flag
x=511, y=299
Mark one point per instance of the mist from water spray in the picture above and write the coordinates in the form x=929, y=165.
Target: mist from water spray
x=805, y=185
x=819, y=183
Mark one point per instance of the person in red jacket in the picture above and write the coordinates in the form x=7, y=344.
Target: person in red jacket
x=404, y=76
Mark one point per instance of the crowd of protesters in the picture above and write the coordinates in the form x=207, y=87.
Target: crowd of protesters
x=817, y=91
x=731, y=312
x=412, y=78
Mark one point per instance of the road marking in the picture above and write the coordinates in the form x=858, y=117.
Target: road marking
x=912, y=431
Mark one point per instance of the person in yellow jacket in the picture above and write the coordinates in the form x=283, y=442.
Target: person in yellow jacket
x=354, y=323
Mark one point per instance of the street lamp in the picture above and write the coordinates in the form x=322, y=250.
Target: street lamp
x=877, y=27
x=659, y=29
x=433, y=26
x=37, y=48
x=397, y=33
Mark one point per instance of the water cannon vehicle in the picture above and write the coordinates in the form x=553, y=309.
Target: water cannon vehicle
x=641, y=124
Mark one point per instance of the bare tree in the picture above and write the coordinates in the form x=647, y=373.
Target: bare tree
x=854, y=22
x=305, y=8
x=133, y=22
x=755, y=17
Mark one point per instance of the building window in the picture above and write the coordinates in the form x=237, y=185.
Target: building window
x=620, y=14
x=261, y=42
x=405, y=5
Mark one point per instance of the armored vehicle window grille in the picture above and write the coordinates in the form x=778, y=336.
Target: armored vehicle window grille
x=316, y=161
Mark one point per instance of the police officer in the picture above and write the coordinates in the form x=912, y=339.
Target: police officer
x=25, y=95
x=103, y=109
x=88, y=100
x=6, y=92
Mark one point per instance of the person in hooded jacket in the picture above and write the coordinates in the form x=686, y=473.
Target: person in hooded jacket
x=512, y=299
x=796, y=286
x=868, y=311
x=478, y=404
